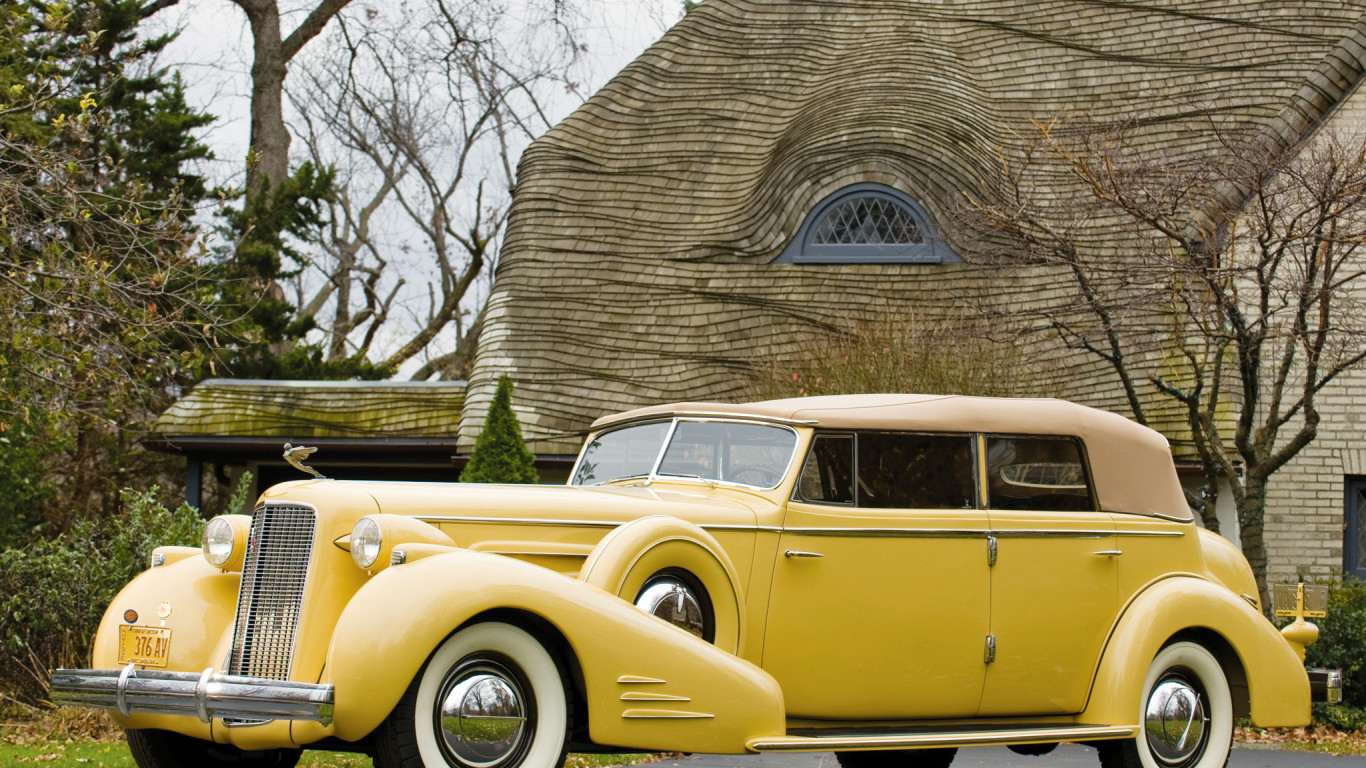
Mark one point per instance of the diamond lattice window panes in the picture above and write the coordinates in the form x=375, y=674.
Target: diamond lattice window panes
x=867, y=223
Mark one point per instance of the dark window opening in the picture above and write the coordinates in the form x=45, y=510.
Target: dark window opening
x=911, y=471
x=1354, y=542
x=890, y=470
x=828, y=474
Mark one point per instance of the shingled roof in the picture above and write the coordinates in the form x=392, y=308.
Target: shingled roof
x=226, y=416
x=638, y=266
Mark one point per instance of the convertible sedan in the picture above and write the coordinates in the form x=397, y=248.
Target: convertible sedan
x=889, y=577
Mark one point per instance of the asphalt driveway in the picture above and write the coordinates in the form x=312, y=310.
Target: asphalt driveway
x=1065, y=756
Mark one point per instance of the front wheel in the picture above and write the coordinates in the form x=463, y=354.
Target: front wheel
x=164, y=749
x=491, y=696
x=1187, y=715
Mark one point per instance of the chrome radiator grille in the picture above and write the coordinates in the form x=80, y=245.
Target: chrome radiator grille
x=273, y=577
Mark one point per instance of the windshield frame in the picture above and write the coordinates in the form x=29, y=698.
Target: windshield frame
x=654, y=475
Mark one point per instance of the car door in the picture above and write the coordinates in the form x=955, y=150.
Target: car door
x=879, y=605
x=1054, y=578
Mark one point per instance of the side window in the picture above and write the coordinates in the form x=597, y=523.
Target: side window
x=828, y=474
x=913, y=471
x=1037, y=474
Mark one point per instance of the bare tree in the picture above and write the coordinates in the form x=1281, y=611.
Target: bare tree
x=272, y=51
x=1229, y=281
x=423, y=118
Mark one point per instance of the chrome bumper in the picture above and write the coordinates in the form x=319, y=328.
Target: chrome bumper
x=206, y=695
x=1325, y=685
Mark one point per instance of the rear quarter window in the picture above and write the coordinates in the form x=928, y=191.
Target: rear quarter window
x=1037, y=474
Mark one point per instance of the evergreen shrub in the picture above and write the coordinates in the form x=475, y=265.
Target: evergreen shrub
x=500, y=455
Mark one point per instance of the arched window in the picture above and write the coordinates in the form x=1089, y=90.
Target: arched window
x=867, y=224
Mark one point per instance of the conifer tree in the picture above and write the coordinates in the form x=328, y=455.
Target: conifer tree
x=500, y=455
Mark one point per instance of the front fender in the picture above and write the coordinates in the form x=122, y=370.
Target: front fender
x=1278, y=687
x=199, y=602
x=649, y=685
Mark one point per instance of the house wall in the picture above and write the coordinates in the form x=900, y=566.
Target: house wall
x=1304, y=512
x=636, y=265
x=1305, y=505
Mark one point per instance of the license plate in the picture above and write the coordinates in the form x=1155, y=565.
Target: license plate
x=148, y=646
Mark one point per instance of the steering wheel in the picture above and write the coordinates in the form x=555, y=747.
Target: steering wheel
x=765, y=477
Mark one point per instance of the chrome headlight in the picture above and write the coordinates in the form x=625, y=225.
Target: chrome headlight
x=366, y=542
x=219, y=542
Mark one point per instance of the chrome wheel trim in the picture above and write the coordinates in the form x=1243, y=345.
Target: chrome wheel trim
x=1175, y=720
x=483, y=714
x=673, y=600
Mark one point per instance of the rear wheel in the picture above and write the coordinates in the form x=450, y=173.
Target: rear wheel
x=898, y=758
x=491, y=696
x=164, y=749
x=1187, y=715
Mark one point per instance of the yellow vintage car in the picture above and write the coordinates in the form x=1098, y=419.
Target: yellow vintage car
x=889, y=577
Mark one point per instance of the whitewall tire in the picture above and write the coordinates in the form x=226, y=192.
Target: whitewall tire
x=1186, y=714
x=491, y=696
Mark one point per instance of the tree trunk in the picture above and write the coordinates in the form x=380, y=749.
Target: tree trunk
x=268, y=162
x=1251, y=522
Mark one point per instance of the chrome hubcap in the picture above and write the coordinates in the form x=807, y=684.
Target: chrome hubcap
x=482, y=716
x=1175, y=721
x=671, y=600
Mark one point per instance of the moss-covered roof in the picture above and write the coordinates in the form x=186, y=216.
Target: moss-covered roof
x=232, y=408
x=638, y=263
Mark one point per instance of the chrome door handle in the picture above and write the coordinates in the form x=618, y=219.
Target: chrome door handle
x=1109, y=553
x=799, y=553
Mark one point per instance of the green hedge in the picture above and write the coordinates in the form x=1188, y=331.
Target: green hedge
x=54, y=591
x=1342, y=639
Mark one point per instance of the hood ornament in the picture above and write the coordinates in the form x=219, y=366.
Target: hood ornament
x=296, y=457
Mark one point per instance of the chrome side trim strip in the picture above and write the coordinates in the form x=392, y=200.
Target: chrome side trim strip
x=933, y=739
x=916, y=533
x=517, y=521
x=664, y=714
x=741, y=528
x=202, y=695
x=637, y=679
x=893, y=533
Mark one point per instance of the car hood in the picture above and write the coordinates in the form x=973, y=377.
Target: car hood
x=551, y=503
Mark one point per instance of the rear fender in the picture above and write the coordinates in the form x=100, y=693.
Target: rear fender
x=1278, y=688
x=634, y=552
x=649, y=685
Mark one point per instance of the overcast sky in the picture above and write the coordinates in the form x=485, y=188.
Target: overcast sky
x=213, y=54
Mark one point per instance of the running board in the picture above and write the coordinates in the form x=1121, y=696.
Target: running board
x=922, y=739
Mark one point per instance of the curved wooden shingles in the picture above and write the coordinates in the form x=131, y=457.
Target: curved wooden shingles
x=265, y=410
x=636, y=264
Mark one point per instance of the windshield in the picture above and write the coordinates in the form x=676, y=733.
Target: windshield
x=719, y=451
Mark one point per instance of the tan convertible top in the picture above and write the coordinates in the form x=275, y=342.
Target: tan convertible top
x=1132, y=464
